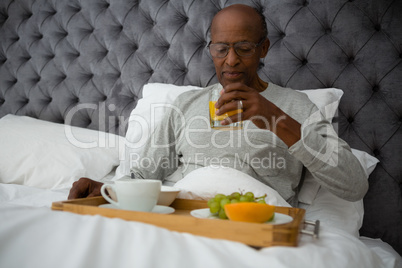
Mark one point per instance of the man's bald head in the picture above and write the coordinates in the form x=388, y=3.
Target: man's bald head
x=248, y=16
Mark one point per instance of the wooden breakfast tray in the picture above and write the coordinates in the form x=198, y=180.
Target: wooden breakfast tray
x=253, y=234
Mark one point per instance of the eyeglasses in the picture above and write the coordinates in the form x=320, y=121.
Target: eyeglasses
x=242, y=49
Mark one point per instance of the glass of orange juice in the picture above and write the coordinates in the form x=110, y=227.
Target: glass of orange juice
x=215, y=120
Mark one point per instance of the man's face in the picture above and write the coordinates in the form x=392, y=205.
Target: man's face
x=230, y=28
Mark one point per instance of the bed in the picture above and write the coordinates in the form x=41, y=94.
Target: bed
x=73, y=73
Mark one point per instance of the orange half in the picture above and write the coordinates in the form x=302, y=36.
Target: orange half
x=249, y=212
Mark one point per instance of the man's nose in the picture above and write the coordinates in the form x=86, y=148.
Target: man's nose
x=232, y=58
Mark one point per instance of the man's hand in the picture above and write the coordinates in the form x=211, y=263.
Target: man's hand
x=85, y=187
x=263, y=113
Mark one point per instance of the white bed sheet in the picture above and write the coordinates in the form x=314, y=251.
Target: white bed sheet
x=32, y=235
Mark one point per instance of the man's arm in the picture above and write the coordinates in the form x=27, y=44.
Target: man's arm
x=314, y=143
x=330, y=159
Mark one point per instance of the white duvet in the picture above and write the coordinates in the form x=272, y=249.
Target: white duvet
x=32, y=235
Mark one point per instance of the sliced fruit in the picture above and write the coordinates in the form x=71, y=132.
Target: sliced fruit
x=249, y=212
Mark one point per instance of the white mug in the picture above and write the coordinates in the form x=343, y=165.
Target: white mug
x=134, y=194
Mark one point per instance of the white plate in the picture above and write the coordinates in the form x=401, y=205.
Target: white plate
x=157, y=209
x=205, y=214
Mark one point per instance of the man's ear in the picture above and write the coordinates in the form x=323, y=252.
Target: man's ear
x=265, y=47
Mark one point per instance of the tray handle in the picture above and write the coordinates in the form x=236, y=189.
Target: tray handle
x=315, y=232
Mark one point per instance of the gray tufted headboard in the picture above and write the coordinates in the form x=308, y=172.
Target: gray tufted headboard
x=93, y=58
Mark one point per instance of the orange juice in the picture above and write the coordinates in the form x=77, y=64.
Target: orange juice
x=215, y=119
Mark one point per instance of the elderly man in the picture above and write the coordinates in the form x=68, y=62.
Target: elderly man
x=279, y=123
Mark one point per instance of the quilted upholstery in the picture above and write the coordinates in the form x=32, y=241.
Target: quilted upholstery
x=84, y=63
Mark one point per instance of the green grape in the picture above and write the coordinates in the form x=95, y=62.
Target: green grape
x=210, y=201
x=222, y=214
x=234, y=201
x=224, y=202
x=219, y=197
x=250, y=195
x=243, y=198
x=214, y=207
x=261, y=201
x=235, y=195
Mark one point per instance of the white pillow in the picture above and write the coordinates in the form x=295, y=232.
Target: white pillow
x=367, y=161
x=334, y=211
x=50, y=156
x=204, y=183
x=326, y=99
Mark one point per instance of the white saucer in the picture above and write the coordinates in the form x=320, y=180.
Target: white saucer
x=157, y=209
